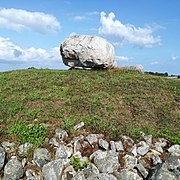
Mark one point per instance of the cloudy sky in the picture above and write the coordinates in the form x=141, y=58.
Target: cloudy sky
x=143, y=32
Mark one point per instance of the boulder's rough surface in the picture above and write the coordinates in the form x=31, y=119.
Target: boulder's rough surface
x=87, y=51
x=2, y=157
x=13, y=170
x=106, y=162
x=53, y=170
x=31, y=175
x=169, y=170
x=24, y=148
x=128, y=175
x=175, y=150
x=41, y=156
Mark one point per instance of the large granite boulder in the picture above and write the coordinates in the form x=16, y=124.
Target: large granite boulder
x=88, y=52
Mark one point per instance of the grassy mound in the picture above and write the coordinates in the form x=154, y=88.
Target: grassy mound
x=112, y=102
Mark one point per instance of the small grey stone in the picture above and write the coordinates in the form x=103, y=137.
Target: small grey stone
x=93, y=138
x=24, y=161
x=9, y=147
x=53, y=170
x=79, y=176
x=139, y=68
x=112, y=145
x=53, y=142
x=126, y=174
x=175, y=149
x=119, y=146
x=23, y=149
x=41, y=156
x=127, y=139
x=127, y=142
x=106, y=162
x=13, y=170
x=158, y=147
x=129, y=161
x=61, y=152
x=78, y=126
x=160, y=144
x=2, y=157
x=31, y=175
x=61, y=134
x=142, y=148
x=156, y=160
x=142, y=170
x=104, y=144
x=134, y=150
x=148, y=139
x=106, y=176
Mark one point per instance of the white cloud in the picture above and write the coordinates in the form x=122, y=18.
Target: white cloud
x=126, y=33
x=18, y=20
x=173, y=58
x=10, y=51
x=80, y=18
x=85, y=16
x=122, y=58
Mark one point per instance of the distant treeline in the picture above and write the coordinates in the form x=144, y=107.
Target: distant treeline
x=162, y=74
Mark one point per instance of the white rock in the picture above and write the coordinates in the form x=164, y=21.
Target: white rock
x=148, y=139
x=142, y=148
x=142, y=170
x=139, y=68
x=104, y=144
x=41, y=156
x=119, y=146
x=129, y=161
x=87, y=51
x=61, y=152
x=156, y=160
x=93, y=138
x=134, y=150
x=112, y=145
x=175, y=150
x=78, y=126
x=53, y=170
x=106, y=161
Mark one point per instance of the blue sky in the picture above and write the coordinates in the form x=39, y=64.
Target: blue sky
x=142, y=32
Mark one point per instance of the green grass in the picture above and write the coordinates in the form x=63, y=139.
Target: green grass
x=112, y=102
x=34, y=133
